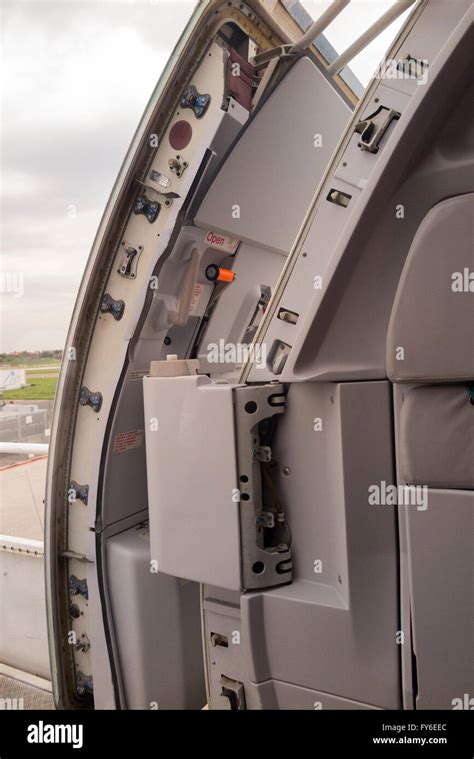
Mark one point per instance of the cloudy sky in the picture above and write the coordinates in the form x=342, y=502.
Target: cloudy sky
x=76, y=77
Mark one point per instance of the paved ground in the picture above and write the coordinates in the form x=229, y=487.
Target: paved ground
x=22, y=489
x=48, y=405
x=15, y=694
x=6, y=459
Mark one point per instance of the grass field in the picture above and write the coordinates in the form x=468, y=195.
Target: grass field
x=41, y=376
x=32, y=363
x=49, y=371
x=38, y=389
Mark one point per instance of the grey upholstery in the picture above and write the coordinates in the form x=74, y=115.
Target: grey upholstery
x=436, y=446
x=440, y=569
x=431, y=321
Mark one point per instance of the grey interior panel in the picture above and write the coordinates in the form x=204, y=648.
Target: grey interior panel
x=344, y=335
x=245, y=516
x=433, y=327
x=274, y=694
x=437, y=437
x=226, y=651
x=431, y=334
x=207, y=526
x=273, y=171
x=441, y=569
x=153, y=612
x=125, y=469
x=332, y=630
x=194, y=522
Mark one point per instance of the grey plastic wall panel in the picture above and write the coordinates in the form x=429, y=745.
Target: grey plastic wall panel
x=333, y=631
x=23, y=633
x=274, y=170
x=436, y=447
x=194, y=519
x=232, y=122
x=125, y=465
x=438, y=19
x=277, y=695
x=441, y=576
x=431, y=332
x=436, y=568
x=227, y=660
x=156, y=619
x=407, y=661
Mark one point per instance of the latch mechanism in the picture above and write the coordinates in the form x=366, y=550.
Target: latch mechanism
x=84, y=684
x=147, y=207
x=290, y=317
x=78, y=587
x=128, y=264
x=79, y=491
x=263, y=453
x=110, y=306
x=83, y=643
x=198, y=103
x=177, y=165
x=265, y=519
x=278, y=356
x=264, y=535
x=373, y=128
x=233, y=691
x=88, y=398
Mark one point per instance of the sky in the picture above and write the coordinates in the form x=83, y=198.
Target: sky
x=358, y=16
x=76, y=77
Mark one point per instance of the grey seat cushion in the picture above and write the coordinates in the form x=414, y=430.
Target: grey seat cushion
x=431, y=331
x=436, y=446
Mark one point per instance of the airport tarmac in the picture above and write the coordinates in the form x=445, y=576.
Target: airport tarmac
x=22, y=488
x=24, y=665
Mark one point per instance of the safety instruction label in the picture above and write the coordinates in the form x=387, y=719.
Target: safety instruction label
x=138, y=374
x=222, y=242
x=125, y=441
x=199, y=299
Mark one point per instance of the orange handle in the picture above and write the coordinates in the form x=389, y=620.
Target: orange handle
x=225, y=275
x=215, y=273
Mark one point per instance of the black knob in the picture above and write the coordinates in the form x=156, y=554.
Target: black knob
x=212, y=273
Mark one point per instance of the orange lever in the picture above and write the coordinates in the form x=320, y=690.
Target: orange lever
x=217, y=274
